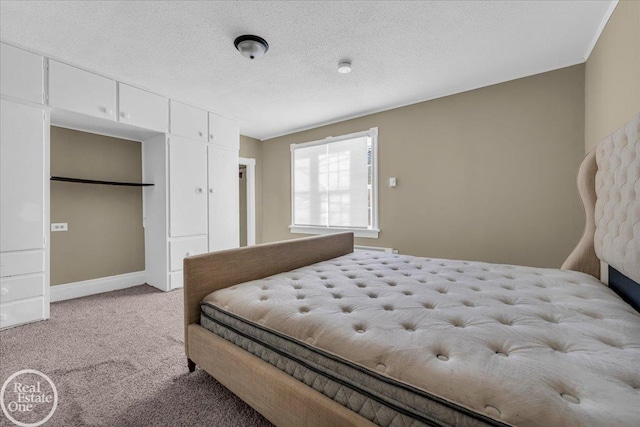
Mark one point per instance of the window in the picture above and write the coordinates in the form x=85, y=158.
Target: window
x=334, y=185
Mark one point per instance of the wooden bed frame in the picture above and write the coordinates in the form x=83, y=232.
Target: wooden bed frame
x=282, y=399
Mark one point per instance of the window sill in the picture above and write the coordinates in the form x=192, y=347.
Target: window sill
x=357, y=232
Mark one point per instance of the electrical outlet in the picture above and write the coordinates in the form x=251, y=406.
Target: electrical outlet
x=59, y=226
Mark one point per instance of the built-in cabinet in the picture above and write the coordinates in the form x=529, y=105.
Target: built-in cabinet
x=189, y=154
x=24, y=201
x=201, y=193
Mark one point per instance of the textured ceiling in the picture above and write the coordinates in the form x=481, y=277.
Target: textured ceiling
x=402, y=52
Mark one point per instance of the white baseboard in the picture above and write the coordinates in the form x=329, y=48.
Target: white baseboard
x=97, y=286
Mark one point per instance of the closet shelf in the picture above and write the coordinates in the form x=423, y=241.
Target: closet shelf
x=91, y=181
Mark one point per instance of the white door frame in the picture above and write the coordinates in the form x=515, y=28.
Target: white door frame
x=251, y=198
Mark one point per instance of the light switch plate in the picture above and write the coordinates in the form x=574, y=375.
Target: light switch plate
x=393, y=182
x=59, y=226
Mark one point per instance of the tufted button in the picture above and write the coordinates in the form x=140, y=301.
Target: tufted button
x=499, y=353
x=381, y=367
x=359, y=329
x=468, y=303
x=372, y=295
x=264, y=298
x=505, y=321
x=297, y=286
x=442, y=357
x=409, y=327
x=429, y=305
x=388, y=307
x=347, y=310
x=407, y=293
x=361, y=285
x=475, y=288
x=492, y=410
x=310, y=340
x=329, y=285
x=336, y=296
x=441, y=290
x=304, y=310
x=264, y=288
x=570, y=398
x=300, y=297
x=391, y=283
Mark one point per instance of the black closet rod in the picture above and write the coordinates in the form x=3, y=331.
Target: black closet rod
x=91, y=181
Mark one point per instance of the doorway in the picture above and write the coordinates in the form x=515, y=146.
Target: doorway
x=247, y=191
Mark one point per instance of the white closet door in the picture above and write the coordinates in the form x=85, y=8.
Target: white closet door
x=144, y=109
x=187, y=187
x=224, y=210
x=21, y=74
x=21, y=177
x=80, y=91
x=224, y=131
x=188, y=121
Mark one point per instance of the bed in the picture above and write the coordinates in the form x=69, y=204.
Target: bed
x=310, y=333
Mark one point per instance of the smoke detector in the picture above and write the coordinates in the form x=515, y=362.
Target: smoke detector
x=344, y=67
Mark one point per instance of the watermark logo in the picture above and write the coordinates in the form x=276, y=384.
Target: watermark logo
x=28, y=398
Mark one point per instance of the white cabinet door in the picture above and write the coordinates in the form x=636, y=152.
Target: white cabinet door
x=21, y=74
x=80, y=91
x=187, y=187
x=224, y=131
x=144, y=109
x=224, y=211
x=188, y=121
x=179, y=249
x=21, y=177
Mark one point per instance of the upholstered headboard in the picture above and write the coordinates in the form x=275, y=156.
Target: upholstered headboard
x=609, y=184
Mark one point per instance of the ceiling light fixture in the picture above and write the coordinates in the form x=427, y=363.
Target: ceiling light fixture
x=344, y=67
x=252, y=47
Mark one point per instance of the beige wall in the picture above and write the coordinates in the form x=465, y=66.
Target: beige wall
x=105, y=236
x=612, y=74
x=483, y=175
x=252, y=148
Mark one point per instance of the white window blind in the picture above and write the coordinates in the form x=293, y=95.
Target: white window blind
x=333, y=184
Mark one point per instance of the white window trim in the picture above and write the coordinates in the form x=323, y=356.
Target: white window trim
x=371, y=233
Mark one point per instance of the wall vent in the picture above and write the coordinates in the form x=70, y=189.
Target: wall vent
x=360, y=248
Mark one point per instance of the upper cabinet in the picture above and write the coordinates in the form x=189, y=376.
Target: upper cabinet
x=143, y=109
x=224, y=131
x=80, y=91
x=21, y=74
x=188, y=121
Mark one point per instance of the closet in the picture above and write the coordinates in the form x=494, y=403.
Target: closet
x=188, y=153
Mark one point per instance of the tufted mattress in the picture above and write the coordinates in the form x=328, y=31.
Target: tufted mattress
x=414, y=341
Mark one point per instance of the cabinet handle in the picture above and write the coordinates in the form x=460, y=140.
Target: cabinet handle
x=211, y=137
x=109, y=111
x=188, y=253
x=200, y=133
x=125, y=115
x=4, y=291
x=198, y=190
x=211, y=190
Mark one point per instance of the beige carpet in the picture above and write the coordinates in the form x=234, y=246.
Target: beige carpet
x=117, y=359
